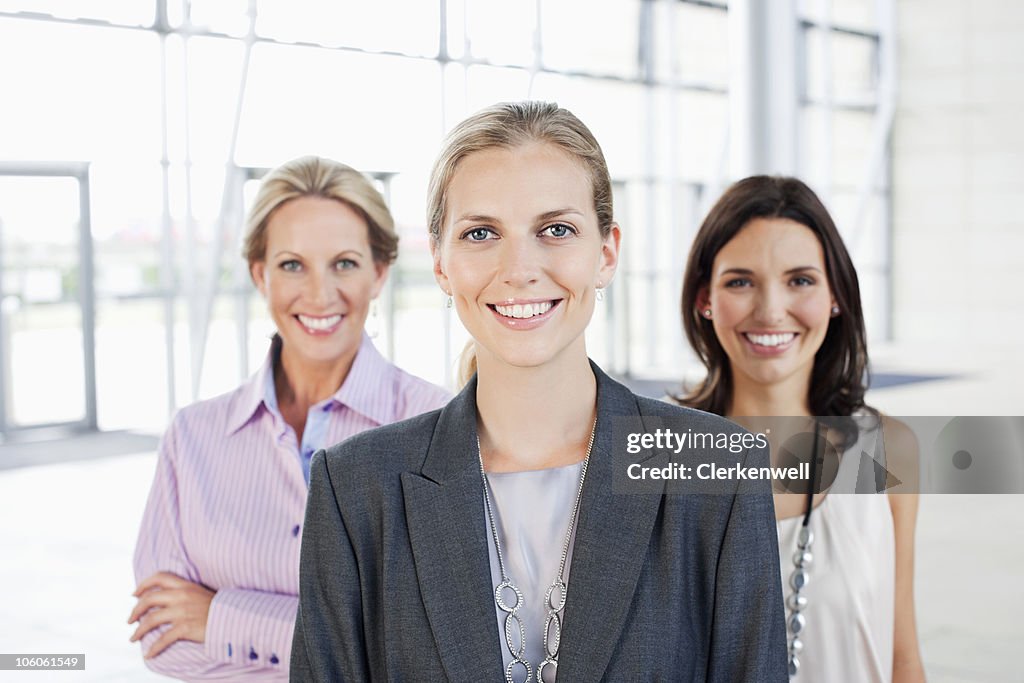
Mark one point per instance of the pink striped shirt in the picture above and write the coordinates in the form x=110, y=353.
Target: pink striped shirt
x=226, y=510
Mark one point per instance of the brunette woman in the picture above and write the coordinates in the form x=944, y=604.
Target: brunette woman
x=771, y=304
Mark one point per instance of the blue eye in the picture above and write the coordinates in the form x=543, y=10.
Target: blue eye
x=291, y=266
x=345, y=264
x=559, y=230
x=478, y=234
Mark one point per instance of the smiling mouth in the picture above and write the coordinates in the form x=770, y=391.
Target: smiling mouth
x=524, y=311
x=770, y=340
x=324, y=323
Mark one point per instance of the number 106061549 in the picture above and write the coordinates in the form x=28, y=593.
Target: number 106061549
x=41, y=662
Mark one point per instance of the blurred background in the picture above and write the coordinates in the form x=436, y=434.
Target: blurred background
x=133, y=134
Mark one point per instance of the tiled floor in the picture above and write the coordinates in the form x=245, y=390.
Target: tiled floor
x=67, y=536
x=67, y=532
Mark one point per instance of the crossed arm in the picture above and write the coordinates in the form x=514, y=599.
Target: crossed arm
x=191, y=630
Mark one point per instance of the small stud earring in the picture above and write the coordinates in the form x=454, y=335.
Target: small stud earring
x=835, y=311
x=707, y=313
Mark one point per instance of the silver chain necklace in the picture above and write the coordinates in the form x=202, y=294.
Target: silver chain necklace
x=801, y=565
x=554, y=600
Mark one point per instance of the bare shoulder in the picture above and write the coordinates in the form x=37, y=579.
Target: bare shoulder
x=901, y=449
x=898, y=434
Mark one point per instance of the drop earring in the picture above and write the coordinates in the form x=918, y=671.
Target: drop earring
x=373, y=323
x=599, y=292
x=449, y=303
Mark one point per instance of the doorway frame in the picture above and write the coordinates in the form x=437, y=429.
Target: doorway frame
x=86, y=295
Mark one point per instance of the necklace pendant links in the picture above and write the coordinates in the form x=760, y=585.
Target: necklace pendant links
x=548, y=662
x=510, y=670
x=797, y=602
x=554, y=599
x=499, y=596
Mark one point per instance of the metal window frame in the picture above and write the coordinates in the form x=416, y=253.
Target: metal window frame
x=86, y=295
x=645, y=75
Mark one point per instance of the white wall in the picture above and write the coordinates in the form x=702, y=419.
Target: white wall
x=958, y=165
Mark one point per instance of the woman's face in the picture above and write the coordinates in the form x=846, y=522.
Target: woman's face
x=521, y=253
x=318, y=277
x=770, y=301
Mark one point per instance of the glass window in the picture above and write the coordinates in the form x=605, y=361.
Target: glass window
x=575, y=37
x=77, y=101
x=130, y=353
x=852, y=133
x=214, y=77
x=835, y=145
x=410, y=28
x=375, y=113
x=455, y=28
x=613, y=111
x=487, y=85
x=408, y=202
x=692, y=43
x=222, y=16
x=42, y=317
x=853, y=14
x=666, y=144
x=702, y=121
x=419, y=328
x=852, y=77
x=501, y=32
x=130, y=12
x=815, y=144
x=125, y=209
x=864, y=228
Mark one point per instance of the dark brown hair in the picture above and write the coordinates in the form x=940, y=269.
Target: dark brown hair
x=840, y=374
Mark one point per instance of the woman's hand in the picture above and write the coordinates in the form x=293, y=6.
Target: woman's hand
x=166, y=598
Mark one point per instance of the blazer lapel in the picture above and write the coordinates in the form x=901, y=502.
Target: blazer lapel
x=612, y=537
x=444, y=508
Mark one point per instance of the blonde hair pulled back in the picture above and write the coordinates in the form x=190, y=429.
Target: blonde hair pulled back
x=312, y=176
x=508, y=125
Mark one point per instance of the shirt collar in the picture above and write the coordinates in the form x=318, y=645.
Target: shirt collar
x=256, y=391
x=360, y=391
x=367, y=379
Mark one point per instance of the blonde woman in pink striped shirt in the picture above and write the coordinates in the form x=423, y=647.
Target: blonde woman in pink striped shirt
x=218, y=551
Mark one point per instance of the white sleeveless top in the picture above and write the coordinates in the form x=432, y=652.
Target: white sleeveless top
x=848, y=637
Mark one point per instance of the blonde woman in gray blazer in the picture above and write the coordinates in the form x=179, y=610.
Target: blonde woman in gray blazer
x=430, y=549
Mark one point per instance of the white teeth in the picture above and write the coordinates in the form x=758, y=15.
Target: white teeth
x=319, y=323
x=524, y=310
x=771, y=339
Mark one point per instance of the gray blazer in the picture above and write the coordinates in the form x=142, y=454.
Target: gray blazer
x=395, y=583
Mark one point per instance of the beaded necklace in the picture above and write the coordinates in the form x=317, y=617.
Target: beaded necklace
x=802, y=558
